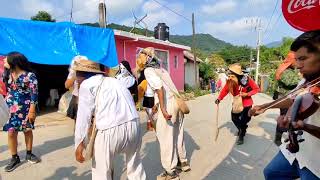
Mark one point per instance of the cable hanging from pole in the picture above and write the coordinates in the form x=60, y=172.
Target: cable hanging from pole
x=172, y=11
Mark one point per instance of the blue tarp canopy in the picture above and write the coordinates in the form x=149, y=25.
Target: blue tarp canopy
x=57, y=43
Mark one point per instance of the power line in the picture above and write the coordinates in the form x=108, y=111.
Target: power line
x=274, y=25
x=274, y=9
x=172, y=11
x=71, y=18
x=67, y=14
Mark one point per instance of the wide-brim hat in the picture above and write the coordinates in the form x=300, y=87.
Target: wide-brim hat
x=85, y=65
x=236, y=69
x=289, y=61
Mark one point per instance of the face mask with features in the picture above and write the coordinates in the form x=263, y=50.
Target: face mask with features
x=122, y=71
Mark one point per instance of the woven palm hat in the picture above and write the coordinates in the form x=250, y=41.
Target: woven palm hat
x=86, y=65
x=236, y=69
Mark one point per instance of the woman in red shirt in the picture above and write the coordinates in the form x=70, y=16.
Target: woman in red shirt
x=243, y=85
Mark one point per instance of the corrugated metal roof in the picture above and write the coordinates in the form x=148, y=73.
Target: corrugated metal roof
x=190, y=56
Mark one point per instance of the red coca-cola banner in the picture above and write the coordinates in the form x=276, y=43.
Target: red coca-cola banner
x=303, y=15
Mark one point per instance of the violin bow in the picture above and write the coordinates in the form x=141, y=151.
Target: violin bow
x=295, y=92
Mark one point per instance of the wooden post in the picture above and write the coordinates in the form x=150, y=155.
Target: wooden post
x=194, y=51
x=102, y=14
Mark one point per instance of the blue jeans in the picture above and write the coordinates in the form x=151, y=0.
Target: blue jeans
x=280, y=169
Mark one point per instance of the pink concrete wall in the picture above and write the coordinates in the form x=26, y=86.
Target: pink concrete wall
x=126, y=49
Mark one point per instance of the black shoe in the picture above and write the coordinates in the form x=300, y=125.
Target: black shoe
x=240, y=140
x=33, y=159
x=13, y=164
x=277, y=139
x=185, y=167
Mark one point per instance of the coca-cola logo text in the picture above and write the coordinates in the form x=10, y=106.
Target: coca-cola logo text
x=299, y=5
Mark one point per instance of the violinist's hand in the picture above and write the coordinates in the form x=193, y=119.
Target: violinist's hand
x=283, y=121
x=256, y=110
x=299, y=125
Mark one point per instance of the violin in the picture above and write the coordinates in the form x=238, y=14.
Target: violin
x=293, y=93
x=304, y=105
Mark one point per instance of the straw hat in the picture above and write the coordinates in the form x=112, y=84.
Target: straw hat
x=236, y=68
x=86, y=66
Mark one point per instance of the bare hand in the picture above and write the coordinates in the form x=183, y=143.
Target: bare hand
x=256, y=110
x=243, y=94
x=31, y=117
x=283, y=121
x=79, y=153
x=166, y=115
x=155, y=108
x=299, y=125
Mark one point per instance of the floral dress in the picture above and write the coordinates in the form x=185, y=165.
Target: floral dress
x=21, y=93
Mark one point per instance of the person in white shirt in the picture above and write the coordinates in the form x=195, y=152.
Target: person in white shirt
x=127, y=78
x=305, y=164
x=170, y=124
x=72, y=84
x=117, y=122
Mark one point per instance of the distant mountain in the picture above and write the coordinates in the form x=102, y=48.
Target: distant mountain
x=205, y=42
x=274, y=44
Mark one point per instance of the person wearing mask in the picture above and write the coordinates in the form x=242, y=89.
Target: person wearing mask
x=241, y=85
x=127, y=78
x=287, y=78
x=170, y=120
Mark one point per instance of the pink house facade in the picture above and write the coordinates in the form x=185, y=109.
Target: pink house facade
x=171, y=54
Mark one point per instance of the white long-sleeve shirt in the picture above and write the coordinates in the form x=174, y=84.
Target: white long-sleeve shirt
x=115, y=105
x=307, y=155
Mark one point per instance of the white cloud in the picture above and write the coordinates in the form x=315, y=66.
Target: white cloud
x=87, y=11
x=158, y=14
x=161, y=14
x=150, y=6
x=117, y=7
x=221, y=7
x=235, y=28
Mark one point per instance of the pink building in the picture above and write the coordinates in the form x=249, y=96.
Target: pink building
x=171, y=54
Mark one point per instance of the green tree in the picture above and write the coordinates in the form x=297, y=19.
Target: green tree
x=206, y=71
x=216, y=61
x=43, y=16
x=285, y=46
x=236, y=54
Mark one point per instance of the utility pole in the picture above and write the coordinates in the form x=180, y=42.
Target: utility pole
x=71, y=11
x=102, y=14
x=258, y=28
x=250, y=58
x=194, y=51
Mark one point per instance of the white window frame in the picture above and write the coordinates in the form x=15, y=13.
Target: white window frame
x=168, y=58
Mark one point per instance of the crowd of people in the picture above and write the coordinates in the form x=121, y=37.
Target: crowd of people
x=105, y=111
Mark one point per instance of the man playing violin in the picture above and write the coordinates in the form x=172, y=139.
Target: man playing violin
x=305, y=164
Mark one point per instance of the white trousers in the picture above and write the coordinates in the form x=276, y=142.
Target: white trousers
x=126, y=139
x=170, y=137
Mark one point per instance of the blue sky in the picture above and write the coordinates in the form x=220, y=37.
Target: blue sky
x=228, y=20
